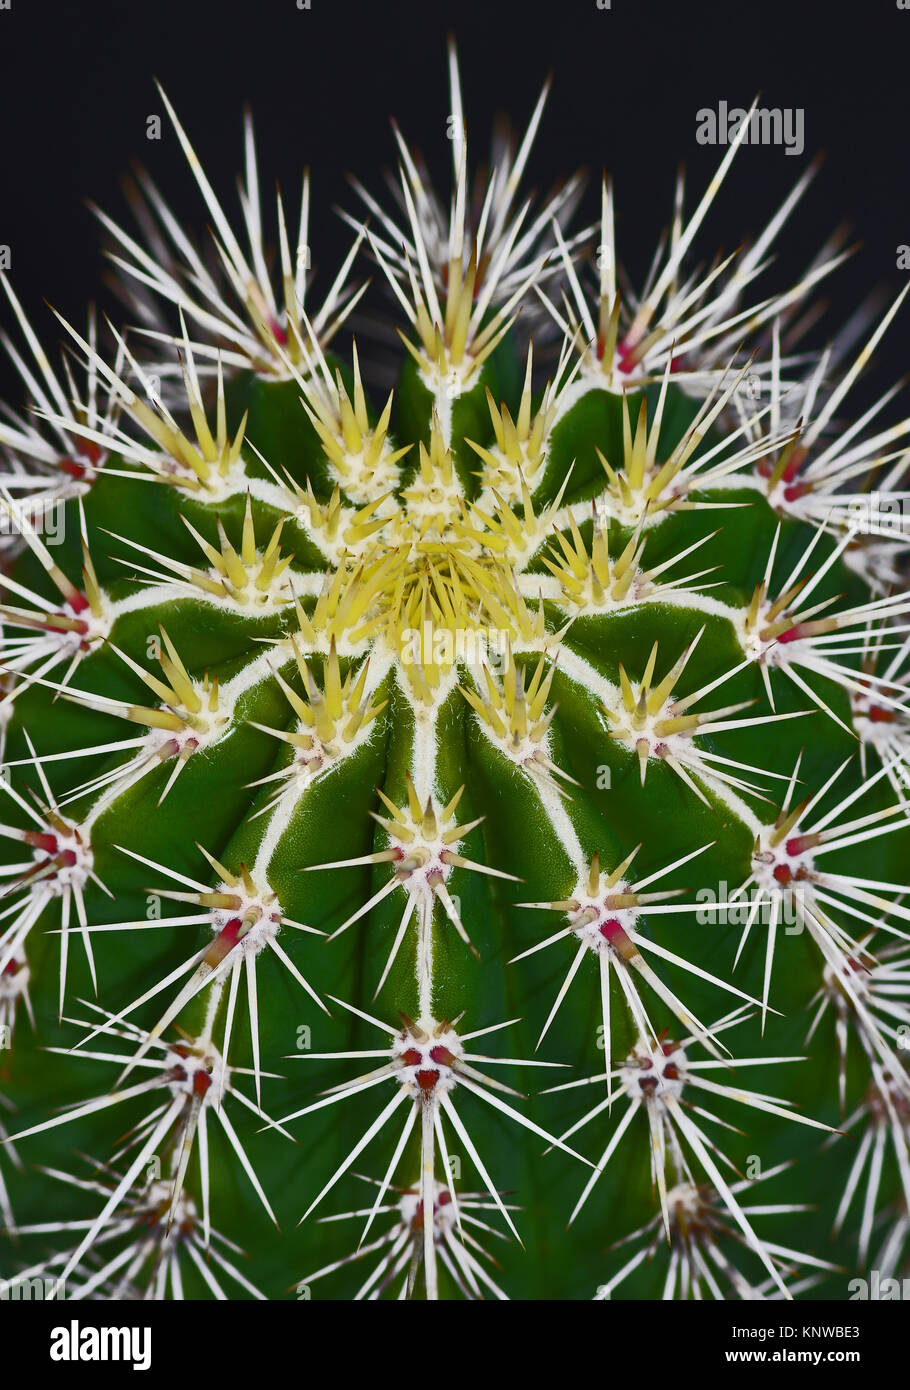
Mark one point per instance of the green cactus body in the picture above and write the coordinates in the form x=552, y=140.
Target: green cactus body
x=368, y=764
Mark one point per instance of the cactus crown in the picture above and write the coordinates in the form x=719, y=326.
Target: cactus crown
x=545, y=711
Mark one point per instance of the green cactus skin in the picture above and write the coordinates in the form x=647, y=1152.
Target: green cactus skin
x=372, y=768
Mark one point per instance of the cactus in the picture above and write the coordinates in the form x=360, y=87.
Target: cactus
x=449, y=799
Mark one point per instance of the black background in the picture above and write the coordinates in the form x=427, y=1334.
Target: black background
x=76, y=88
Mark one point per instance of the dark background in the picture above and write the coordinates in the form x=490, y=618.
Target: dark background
x=76, y=88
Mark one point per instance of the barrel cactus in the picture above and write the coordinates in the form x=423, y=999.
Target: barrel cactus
x=455, y=818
